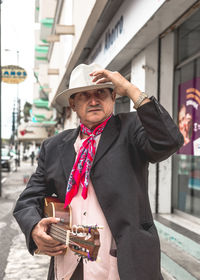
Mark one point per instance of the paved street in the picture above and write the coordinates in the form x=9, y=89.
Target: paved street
x=15, y=261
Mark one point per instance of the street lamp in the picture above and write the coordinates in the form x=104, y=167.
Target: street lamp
x=16, y=116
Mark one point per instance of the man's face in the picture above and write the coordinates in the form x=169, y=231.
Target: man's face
x=93, y=106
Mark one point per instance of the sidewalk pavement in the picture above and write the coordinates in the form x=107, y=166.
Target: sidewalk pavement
x=16, y=263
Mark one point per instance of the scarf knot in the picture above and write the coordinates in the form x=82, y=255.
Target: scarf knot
x=82, y=166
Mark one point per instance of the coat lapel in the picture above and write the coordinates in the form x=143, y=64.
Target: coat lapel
x=109, y=135
x=67, y=152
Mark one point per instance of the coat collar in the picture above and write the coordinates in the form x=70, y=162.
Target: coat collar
x=67, y=151
x=109, y=135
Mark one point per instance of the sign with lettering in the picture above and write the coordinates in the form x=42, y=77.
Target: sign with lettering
x=189, y=116
x=130, y=18
x=112, y=35
x=12, y=74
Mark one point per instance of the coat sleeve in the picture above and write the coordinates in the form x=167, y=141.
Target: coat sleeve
x=155, y=133
x=28, y=210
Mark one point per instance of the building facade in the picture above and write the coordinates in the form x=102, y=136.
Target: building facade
x=39, y=117
x=154, y=44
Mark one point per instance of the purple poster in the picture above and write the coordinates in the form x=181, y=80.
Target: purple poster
x=189, y=116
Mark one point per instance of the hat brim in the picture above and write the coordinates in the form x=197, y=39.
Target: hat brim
x=63, y=98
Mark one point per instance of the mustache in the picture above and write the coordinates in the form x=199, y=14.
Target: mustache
x=98, y=106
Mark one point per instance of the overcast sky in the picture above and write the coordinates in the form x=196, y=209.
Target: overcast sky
x=17, y=33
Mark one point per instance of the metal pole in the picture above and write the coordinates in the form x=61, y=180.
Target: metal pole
x=0, y=101
x=18, y=119
x=13, y=125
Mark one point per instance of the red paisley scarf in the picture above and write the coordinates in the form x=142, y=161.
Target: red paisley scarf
x=82, y=166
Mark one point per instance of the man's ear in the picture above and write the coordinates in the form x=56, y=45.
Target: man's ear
x=113, y=95
x=71, y=104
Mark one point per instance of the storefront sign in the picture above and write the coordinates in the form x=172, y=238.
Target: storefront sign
x=189, y=116
x=112, y=35
x=12, y=74
x=127, y=22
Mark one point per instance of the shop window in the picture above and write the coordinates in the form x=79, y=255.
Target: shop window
x=188, y=37
x=186, y=162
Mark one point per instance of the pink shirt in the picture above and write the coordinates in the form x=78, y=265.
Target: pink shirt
x=89, y=212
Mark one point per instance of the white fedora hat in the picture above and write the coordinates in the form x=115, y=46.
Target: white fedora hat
x=80, y=80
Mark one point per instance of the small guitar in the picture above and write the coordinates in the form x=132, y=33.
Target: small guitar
x=83, y=240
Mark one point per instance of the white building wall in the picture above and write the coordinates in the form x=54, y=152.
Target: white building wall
x=42, y=74
x=38, y=42
x=53, y=84
x=144, y=75
x=34, y=133
x=81, y=12
x=36, y=91
x=151, y=69
x=61, y=50
x=42, y=111
x=166, y=98
x=47, y=9
x=138, y=73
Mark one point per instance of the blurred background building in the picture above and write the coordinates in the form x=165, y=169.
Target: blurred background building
x=39, y=117
x=155, y=45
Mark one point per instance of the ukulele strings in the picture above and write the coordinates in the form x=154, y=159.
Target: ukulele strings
x=63, y=240
x=61, y=230
x=60, y=234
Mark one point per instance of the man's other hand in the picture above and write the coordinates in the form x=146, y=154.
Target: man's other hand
x=45, y=243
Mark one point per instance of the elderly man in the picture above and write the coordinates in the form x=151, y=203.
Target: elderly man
x=101, y=170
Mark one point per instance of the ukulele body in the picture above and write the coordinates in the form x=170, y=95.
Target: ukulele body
x=54, y=208
x=83, y=240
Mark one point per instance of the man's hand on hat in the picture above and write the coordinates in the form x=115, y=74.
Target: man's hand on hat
x=122, y=86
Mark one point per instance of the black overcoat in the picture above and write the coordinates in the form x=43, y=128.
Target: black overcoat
x=120, y=178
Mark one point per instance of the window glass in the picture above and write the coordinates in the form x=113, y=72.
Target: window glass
x=189, y=37
x=186, y=163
